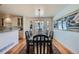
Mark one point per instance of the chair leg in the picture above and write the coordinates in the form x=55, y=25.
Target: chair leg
x=51, y=48
x=51, y=51
x=27, y=49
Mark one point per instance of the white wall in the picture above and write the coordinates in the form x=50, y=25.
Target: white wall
x=26, y=24
x=68, y=39
x=66, y=10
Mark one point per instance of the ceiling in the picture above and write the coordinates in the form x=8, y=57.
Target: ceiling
x=29, y=9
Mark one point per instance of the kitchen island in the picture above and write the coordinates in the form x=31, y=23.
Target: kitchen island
x=8, y=38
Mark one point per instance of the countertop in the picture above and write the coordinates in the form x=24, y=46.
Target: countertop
x=4, y=29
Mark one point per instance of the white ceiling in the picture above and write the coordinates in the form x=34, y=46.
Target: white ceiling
x=29, y=9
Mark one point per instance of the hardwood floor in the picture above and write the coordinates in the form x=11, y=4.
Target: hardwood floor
x=58, y=48
x=23, y=51
x=18, y=47
x=21, y=48
x=61, y=48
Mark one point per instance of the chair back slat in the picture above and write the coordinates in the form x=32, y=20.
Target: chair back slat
x=37, y=44
x=47, y=47
x=27, y=34
x=44, y=47
x=33, y=45
x=41, y=44
x=40, y=40
x=51, y=34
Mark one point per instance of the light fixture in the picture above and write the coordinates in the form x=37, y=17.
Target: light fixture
x=39, y=12
x=7, y=20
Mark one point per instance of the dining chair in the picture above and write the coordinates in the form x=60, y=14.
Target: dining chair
x=27, y=34
x=51, y=34
x=27, y=41
x=42, y=44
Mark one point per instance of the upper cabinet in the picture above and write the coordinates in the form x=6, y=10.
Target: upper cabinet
x=9, y=20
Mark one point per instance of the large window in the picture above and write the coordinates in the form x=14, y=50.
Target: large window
x=67, y=23
x=60, y=24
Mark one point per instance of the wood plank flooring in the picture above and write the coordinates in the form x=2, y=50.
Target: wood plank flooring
x=23, y=51
x=21, y=48
x=17, y=48
x=61, y=48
